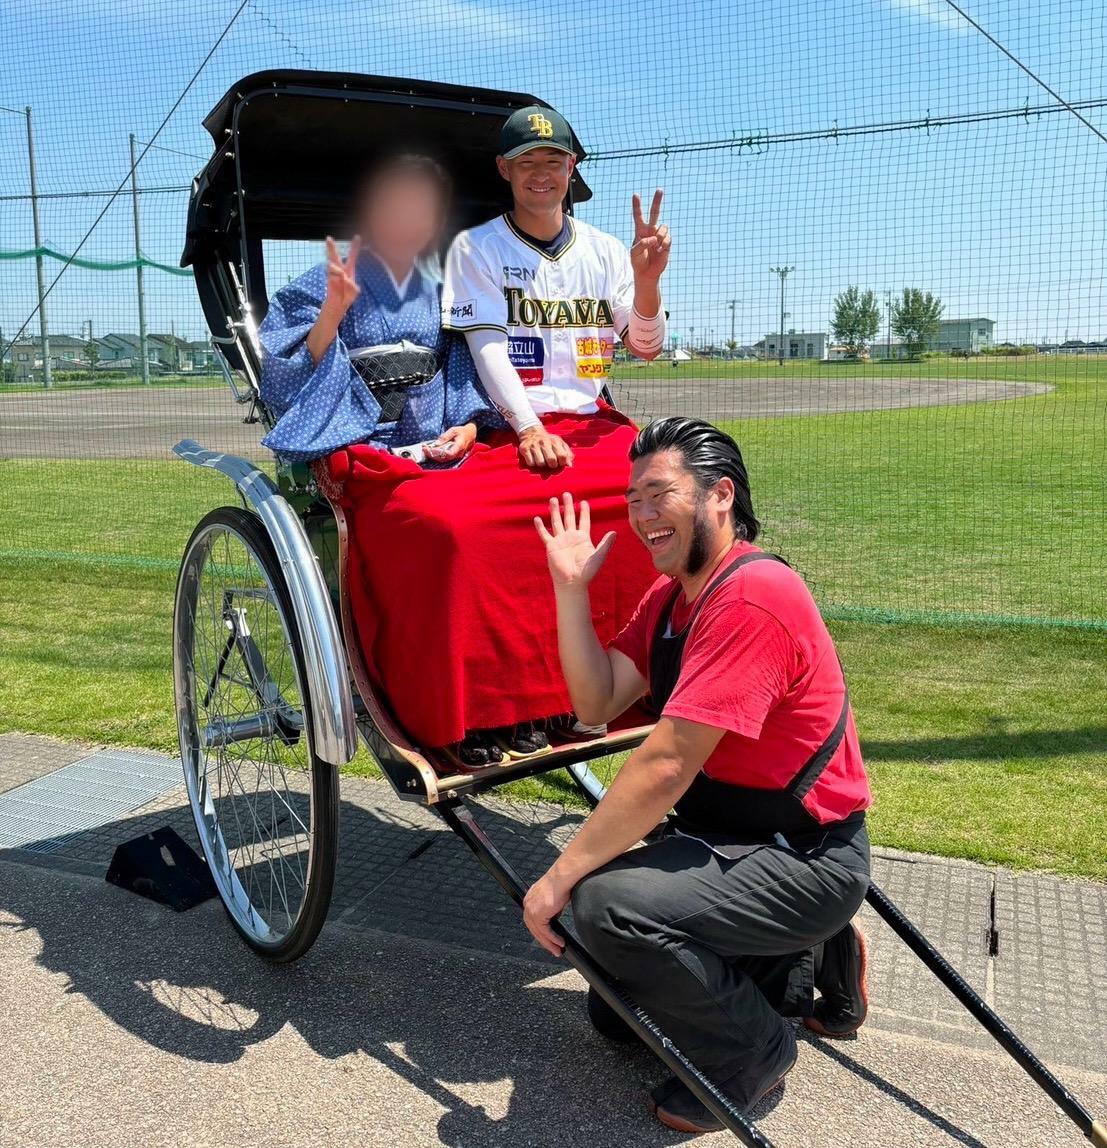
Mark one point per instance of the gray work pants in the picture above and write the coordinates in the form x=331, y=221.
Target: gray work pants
x=718, y=950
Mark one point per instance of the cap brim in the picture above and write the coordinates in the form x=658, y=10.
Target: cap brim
x=534, y=145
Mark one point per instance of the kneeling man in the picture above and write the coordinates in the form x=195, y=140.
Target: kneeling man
x=743, y=907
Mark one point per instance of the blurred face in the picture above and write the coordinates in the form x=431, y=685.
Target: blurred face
x=539, y=178
x=679, y=524
x=401, y=216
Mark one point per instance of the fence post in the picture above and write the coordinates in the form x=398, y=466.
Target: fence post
x=144, y=351
x=43, y=328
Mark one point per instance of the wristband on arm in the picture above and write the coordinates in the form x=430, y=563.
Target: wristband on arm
x=646, y=336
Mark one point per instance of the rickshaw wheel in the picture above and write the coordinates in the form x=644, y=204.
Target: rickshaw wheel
x=266, y=808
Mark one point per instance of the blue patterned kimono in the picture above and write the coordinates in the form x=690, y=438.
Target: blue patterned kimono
x=321, y=407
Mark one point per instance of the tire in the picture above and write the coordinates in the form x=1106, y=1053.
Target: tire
x=265, y=807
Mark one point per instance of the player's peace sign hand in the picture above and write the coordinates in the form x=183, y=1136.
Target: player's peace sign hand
x=572, y=558
x=342, y=288
x=649, y=253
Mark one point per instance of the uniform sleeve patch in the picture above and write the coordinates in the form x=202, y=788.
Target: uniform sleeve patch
x=462, y=309
x=527, y=355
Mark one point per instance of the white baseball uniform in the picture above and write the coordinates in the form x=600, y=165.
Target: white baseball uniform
x=560, y=313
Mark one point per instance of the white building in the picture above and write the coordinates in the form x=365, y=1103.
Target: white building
x=797, y=345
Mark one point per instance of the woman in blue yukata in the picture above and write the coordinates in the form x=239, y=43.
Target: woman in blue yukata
x=354, y=349
x=355, y=359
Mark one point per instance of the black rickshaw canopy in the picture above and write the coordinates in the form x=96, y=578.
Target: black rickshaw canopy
x=289, y=146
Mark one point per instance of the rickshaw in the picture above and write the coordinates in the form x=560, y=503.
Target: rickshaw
x=272, y=691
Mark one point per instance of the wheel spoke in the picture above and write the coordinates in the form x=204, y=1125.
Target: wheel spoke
x=253, y=797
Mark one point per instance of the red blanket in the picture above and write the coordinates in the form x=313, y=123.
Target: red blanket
x=448, y=580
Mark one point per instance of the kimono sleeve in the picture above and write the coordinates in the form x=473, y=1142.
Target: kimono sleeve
x=472, y=295
x=319, y=406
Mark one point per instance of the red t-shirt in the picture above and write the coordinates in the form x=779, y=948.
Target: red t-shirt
x=760, y=664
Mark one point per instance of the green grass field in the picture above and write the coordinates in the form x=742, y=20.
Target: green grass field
x=985, y=741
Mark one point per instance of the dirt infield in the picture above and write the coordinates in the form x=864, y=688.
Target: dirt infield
x=134, y=422
x=745, y=398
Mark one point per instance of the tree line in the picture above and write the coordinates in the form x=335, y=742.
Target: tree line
x=857, y=317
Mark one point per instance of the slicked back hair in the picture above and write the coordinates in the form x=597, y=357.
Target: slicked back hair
x=709, y=455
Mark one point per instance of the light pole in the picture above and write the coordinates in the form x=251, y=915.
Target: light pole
x=783, y=272
x=888, y=337
x=40, y=271
x=732, y=303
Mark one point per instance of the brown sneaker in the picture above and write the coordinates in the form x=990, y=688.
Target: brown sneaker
x=843, y=981
x=676, y=1106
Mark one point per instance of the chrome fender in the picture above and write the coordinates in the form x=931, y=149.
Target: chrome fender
x=334, y=730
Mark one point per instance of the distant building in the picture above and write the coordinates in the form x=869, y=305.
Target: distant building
x=968, y=336
x=118, y=350
x=887, y=349
x=202, y=355
x=164, y=353
x=170, y=351
x=797, y=345
x=971, y=335
x=67, y=353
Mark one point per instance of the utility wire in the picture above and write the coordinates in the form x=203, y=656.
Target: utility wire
x=1018, y=63
x=93, y=193
x=764, y=139
x=173, y=151
x=123, y=182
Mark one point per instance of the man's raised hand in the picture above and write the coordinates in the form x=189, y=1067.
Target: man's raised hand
x=342, y=288
x=572, y=558
x=649, y=253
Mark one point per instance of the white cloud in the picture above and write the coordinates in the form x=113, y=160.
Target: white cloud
x=936, y=12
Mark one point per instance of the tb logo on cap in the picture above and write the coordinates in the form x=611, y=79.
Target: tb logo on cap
x=540, y=126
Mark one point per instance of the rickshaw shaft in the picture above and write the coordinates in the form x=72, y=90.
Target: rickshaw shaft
x=460, y=819
x=995, y=1025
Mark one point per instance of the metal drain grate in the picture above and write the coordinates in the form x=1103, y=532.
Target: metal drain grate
x=45, y=814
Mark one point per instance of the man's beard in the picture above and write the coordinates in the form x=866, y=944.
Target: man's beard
x=699, y=547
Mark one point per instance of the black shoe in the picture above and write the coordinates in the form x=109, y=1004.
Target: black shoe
x=607, y=1022
x=842, y=979
x=523, y=740
x=478, y=750
x=676, y=1106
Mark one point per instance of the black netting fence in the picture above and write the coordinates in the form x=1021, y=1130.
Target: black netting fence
x=933, y=450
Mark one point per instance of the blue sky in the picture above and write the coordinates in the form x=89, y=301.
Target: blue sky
x=1001, y=219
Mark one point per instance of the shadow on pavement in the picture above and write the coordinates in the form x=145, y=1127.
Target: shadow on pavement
x=443, y=1018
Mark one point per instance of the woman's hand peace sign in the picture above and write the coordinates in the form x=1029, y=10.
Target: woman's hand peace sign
x=342, y=288
x=572, y=558
x=649, y=253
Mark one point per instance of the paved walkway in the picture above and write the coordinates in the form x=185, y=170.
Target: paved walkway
x=424, y=1016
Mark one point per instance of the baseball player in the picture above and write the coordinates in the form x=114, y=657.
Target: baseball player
x=541, y=296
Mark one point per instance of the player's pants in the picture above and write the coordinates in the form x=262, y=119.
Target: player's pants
x=718, y=950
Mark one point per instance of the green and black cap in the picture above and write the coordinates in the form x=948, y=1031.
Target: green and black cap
x=529, y=128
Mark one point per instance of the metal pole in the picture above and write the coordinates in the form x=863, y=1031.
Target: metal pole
x=731, y=304
x=40, y=271
x=783, y=273
x=888, y=343
x=1094, y=1130
x=143, y=349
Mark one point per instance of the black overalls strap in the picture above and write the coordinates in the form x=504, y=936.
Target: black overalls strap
x=742, y=813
